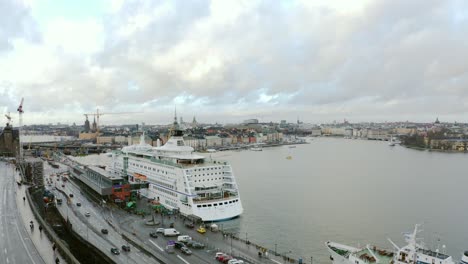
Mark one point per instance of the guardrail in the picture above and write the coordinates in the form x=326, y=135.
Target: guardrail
x=63, y=249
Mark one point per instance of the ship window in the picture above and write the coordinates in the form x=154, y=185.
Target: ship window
x=198, y=205
x=204, y=205
x=215, y=204
x=209, y=205
x=225, y=202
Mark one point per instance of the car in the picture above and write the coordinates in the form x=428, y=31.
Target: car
x=189, y=225
x=160, y=230
x=115, y=251
x=179, y=244
x=226, y=259
x=87, y=214
x=104, y=231
x=220, y=255
x=78, y=204
x=184, y=238
x=71, y=194
x=201, y=230
x=198, y=245
x=126, y=248
x=186, y=251
x=153, y=235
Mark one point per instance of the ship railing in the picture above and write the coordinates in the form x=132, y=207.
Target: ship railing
x=204, y=200
x=165, y=162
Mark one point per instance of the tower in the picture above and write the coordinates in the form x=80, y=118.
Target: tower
x=86, y=125
x=94, y=129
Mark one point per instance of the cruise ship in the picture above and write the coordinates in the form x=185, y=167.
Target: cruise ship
x=180, y=179
x=413, y=252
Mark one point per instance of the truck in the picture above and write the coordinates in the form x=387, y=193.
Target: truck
x=59, y=201
x=170, y=232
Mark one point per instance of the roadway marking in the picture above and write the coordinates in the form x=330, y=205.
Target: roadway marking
x=275, y=261
x=186, y=262
x=156, y=245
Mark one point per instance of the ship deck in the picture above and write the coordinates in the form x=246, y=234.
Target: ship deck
x=385, y=257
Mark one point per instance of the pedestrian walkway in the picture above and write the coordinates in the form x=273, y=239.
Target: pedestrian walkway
x=40, y=240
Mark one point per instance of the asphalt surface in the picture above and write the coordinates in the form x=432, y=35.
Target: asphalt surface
x=15, y=243
x=134, y=226
x=89, y=228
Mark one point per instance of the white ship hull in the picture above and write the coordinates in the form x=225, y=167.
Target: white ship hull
x=337, y=258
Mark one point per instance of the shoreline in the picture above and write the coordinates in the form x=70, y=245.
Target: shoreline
x=434, y=150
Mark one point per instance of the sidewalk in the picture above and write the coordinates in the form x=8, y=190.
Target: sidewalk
x=39, y=239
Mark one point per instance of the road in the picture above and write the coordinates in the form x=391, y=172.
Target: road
x=135, y=226
x=90, y=227
x=15, y=244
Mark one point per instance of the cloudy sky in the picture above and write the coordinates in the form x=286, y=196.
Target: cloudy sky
x=226, y=61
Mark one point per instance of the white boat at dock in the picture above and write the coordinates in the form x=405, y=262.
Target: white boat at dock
x=413, y=252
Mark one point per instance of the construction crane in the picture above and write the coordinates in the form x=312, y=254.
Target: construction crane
x=20, y=112
x=98, y=114
x=8, y=116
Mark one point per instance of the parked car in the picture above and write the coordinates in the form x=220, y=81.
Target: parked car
x=189, y=225
x=153, y=235
x=115, y=251
x=184, y=238
x=160, y=230
x=220, y=255
x=179, y=244
x=126, y=248
x=201, y=230
x=198, y=245
x=87, y=214
x=186, y=251
x=71, y=194
x=226, y=259
x=104, y=231
x=78, y=204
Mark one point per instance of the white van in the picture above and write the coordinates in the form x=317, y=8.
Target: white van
x=184, y=238
x=171, y=232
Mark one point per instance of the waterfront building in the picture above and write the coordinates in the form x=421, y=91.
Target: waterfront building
x=213, y=141
x=9, y=142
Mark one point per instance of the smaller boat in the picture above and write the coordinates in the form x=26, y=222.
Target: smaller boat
x=289, y=157
x=292, y=146
x=256, y=149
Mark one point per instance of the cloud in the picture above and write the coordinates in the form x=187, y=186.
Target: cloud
x=242, y=59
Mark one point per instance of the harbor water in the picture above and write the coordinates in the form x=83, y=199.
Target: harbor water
x=353, y=192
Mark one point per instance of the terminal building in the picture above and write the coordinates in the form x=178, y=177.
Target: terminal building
x=104, y=184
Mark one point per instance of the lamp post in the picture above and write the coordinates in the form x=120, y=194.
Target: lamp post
x=276, y=254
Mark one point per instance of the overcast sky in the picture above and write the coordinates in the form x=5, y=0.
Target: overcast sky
x=226, y=61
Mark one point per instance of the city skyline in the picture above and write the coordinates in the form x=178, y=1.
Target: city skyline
x=226, y=61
